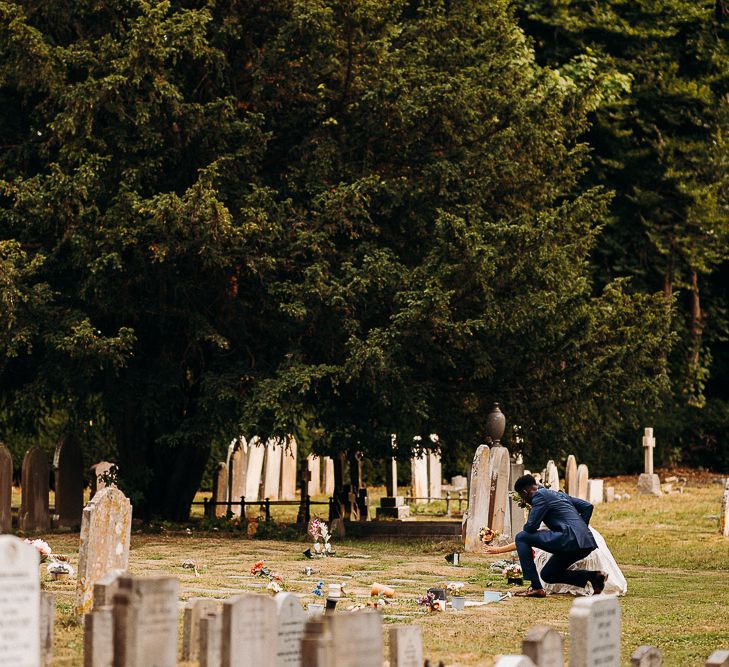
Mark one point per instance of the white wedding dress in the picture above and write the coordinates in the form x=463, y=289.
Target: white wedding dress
x=599, y=559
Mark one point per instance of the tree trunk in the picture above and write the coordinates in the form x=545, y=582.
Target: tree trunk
x=696, y=321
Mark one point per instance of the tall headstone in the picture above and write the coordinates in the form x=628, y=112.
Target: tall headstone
x=500, y=502
x=288, y=469
x=20, y=603
x=249, y=631
x=544, y=646
x=419, y=478
x=724, y=514
x=256, y=456
x=272, y=474
x=514, y=661
x=406, y=646
x=518, y=515
x=210, y=651
x=34, y=516
x=570, y=476
x=551, y=476
x=6, y=490
x=357, y=638
x=595, y=632
x=646, y=656
x=595, y=491
x=47, y=621
x=145, y=622
x=327, y=476
x=68, y=466
x=649, y=483
x=583, y=476
x=435, y=475
x=195, y=609
x=106, y=526
x=220, y=489
x=291, y=619
x=478, y=499
x=100, y=474
x=314, y=465
x=237, y=471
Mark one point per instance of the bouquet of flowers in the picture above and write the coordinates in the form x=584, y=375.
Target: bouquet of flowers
x=486, y=535
x=512, y=571
x=275, y=580
x=44, y=550
x=321, y=535
x=453, y=587
x=429, y=602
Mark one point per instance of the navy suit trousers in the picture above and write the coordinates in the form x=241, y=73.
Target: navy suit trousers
x=556, y=570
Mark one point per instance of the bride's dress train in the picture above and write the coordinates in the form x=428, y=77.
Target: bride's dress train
x=600, y=559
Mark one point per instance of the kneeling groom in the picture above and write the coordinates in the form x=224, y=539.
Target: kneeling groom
x=568, y=538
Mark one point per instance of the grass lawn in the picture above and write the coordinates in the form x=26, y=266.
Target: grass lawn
x=675, y=562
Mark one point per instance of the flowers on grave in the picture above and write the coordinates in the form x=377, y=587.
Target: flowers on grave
x=43, y=548
x=275, y=580
x=319, y=590
x=60, y=570
x=512, y=571
x=487, y=535
x=430, y=601
x=190, y=564
x=319, y=531
x=454, y=587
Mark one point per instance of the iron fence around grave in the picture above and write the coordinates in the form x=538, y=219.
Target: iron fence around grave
x=263, y=505
x=450, y=499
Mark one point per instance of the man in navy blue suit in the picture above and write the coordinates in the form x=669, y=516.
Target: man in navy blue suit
x=567, y=538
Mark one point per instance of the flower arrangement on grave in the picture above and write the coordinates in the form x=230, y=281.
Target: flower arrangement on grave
x=319, y=531
x=429, y=601
x=487, y=535
x=190, y=564
x=43, y=548
x=275, y=580
x=513, y=573
x=319, y=589
x=60, y=570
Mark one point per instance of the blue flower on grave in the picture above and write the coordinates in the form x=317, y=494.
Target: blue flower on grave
x=319, y=590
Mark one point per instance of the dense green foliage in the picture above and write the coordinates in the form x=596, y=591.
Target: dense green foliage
x=342, y=219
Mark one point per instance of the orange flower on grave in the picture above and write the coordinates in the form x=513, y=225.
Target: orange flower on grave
x=257, y=567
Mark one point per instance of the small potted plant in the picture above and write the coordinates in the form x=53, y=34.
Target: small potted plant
x=513, y=574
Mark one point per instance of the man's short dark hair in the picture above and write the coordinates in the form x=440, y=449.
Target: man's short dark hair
x=524, y=482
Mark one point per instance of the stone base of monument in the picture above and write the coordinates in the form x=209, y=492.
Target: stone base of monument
x=393, y=507
x=649, y=485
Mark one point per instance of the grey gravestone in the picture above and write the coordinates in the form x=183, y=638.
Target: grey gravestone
x=6, y=490
x=595, y=632
x=106, y=526
x=719, y=658
x=570, y=476
x=583, y=476
x=291, y=619
x=317, y=649
x=68, y=467
x=220, y=489
x=544, y=646
x=249, y=631
x=35, y=475
x=648, y=483
x=195, y=610
x=478, y=499
x=288, y=469
x=646, y=656
x=594, y=491
x=105, y=589
x=237, y=473
x=357, y=638
x=406, y=646
x=724, y=514
x=20, y=603
x=99, y=638
x=272, y=469
x=551, y=478
x=145, y=622
x=459, y=483
x=256, y=455
x=500, y=503
x=419, y=478
x=609, y=494
x=47, y=621
x=210, y=651
x=101, y=473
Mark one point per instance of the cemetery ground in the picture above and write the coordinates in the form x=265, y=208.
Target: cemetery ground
x=669, y=548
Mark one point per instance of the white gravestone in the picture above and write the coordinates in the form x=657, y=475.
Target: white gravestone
x=551, y=478
x=594, y=491
x=544, y=646
x=514, y=661
x=646, y=656
x=314, y=465
x=249, y=631
x=583, y=476
x=357, y=638
x=724, y=515
x=595, y=632
x=435, y=475
x=479, y=497
x=406, y=646
x=419, y=478
x=327, y=475
x=288, y=469
x=291, y=619
x=20, y=604
x=256, y=455
x=570, y=476
x=272, y=466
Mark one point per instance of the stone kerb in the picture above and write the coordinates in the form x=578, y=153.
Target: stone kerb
x=106, y=526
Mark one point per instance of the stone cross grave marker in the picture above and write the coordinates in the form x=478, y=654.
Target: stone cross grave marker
x=195, y=609
x=47, y=621
x=6, y=489
x=478, y=499
x=500, y=502
x=291, y=621
x=551, y=477
x=724, y=514
x=249, y=631
x=544, y=646
x=20, y=603
x=210, y=651
x=595, y=632
x=646, y=656
x=288, y=469
x=34, y=516
x=272, y=475
x=648, y=483
x=106, y=526
x=256, y=456
x=583, y=476
x=314, y=465
x=514, y=661
x=419, y=478
x=406, y=646
x=220, y=489
x=145, y=621
x=570, y=476
x=68, y=466
x=357, y=638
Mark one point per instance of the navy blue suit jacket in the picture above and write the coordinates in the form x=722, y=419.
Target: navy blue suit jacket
x=567, y=519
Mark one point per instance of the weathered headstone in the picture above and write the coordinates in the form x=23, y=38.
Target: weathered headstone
x=419, y=478
x=291, y=619
x=20, y=603
x=99, y=623
x=514, y=661
x=609, y=494
x=100, y=474
x=256, y=456
x=106, y=526
x=272, y=465
x=210, y=652
x=237, y=472
x=518, y=515
x=406, y=646
x=595, y=632
x=544, y=646
x=106, y=588
x=570, y=476
x=68, y=467
x=435, y=475
x=47, y=621
x=34, y=516
x=594, y=491
x=500, y=502
x=314, y=465
x=478, y=499
x=357, y=638
x=724, y=514
x=288, y=469
x=317, y=649
x=145, y=622
x=327, y=476
x=6, y=490
x=195, y=609
x=249, y=631
x=646, y=656
x=583, y=476
x=220, y=489
x=649, y=483
x=551, y=479
x=719, y=658
x=459, y=482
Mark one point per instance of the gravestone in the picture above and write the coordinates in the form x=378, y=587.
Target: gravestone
x=649, y=483
x=719, y=658
x=406, y=646
x=106, y=526
x=514, y=661
x=195, y=609
x=435, y=475
x=459, y=483
x=291, y=619
x=357, y=638
x=551, y=478
x=609, y=494
x=20, y=603
x=500, y=502
x=646, y=656
x=99, y=623
x=35, y=475
x=237, y=471
x=6, y=490
x=288, y=469
x=249, y=631
x=479, y=498
x=724, y=514
x=419, y=478
x=583, y=476
x=327, y=476
x=210, y=651
x=518, y=513
x=256, y=456
x=595, y=632
x=68, y=467
x=272, y=467
x=570, y=476
x=594, y=491
x=317, y=649
x=220, y=489
x=47, y=621
x=544, y=646
x=100, y=473
x=314, y=465
x=392, y=506
x=105, y=589
x=145, y=621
